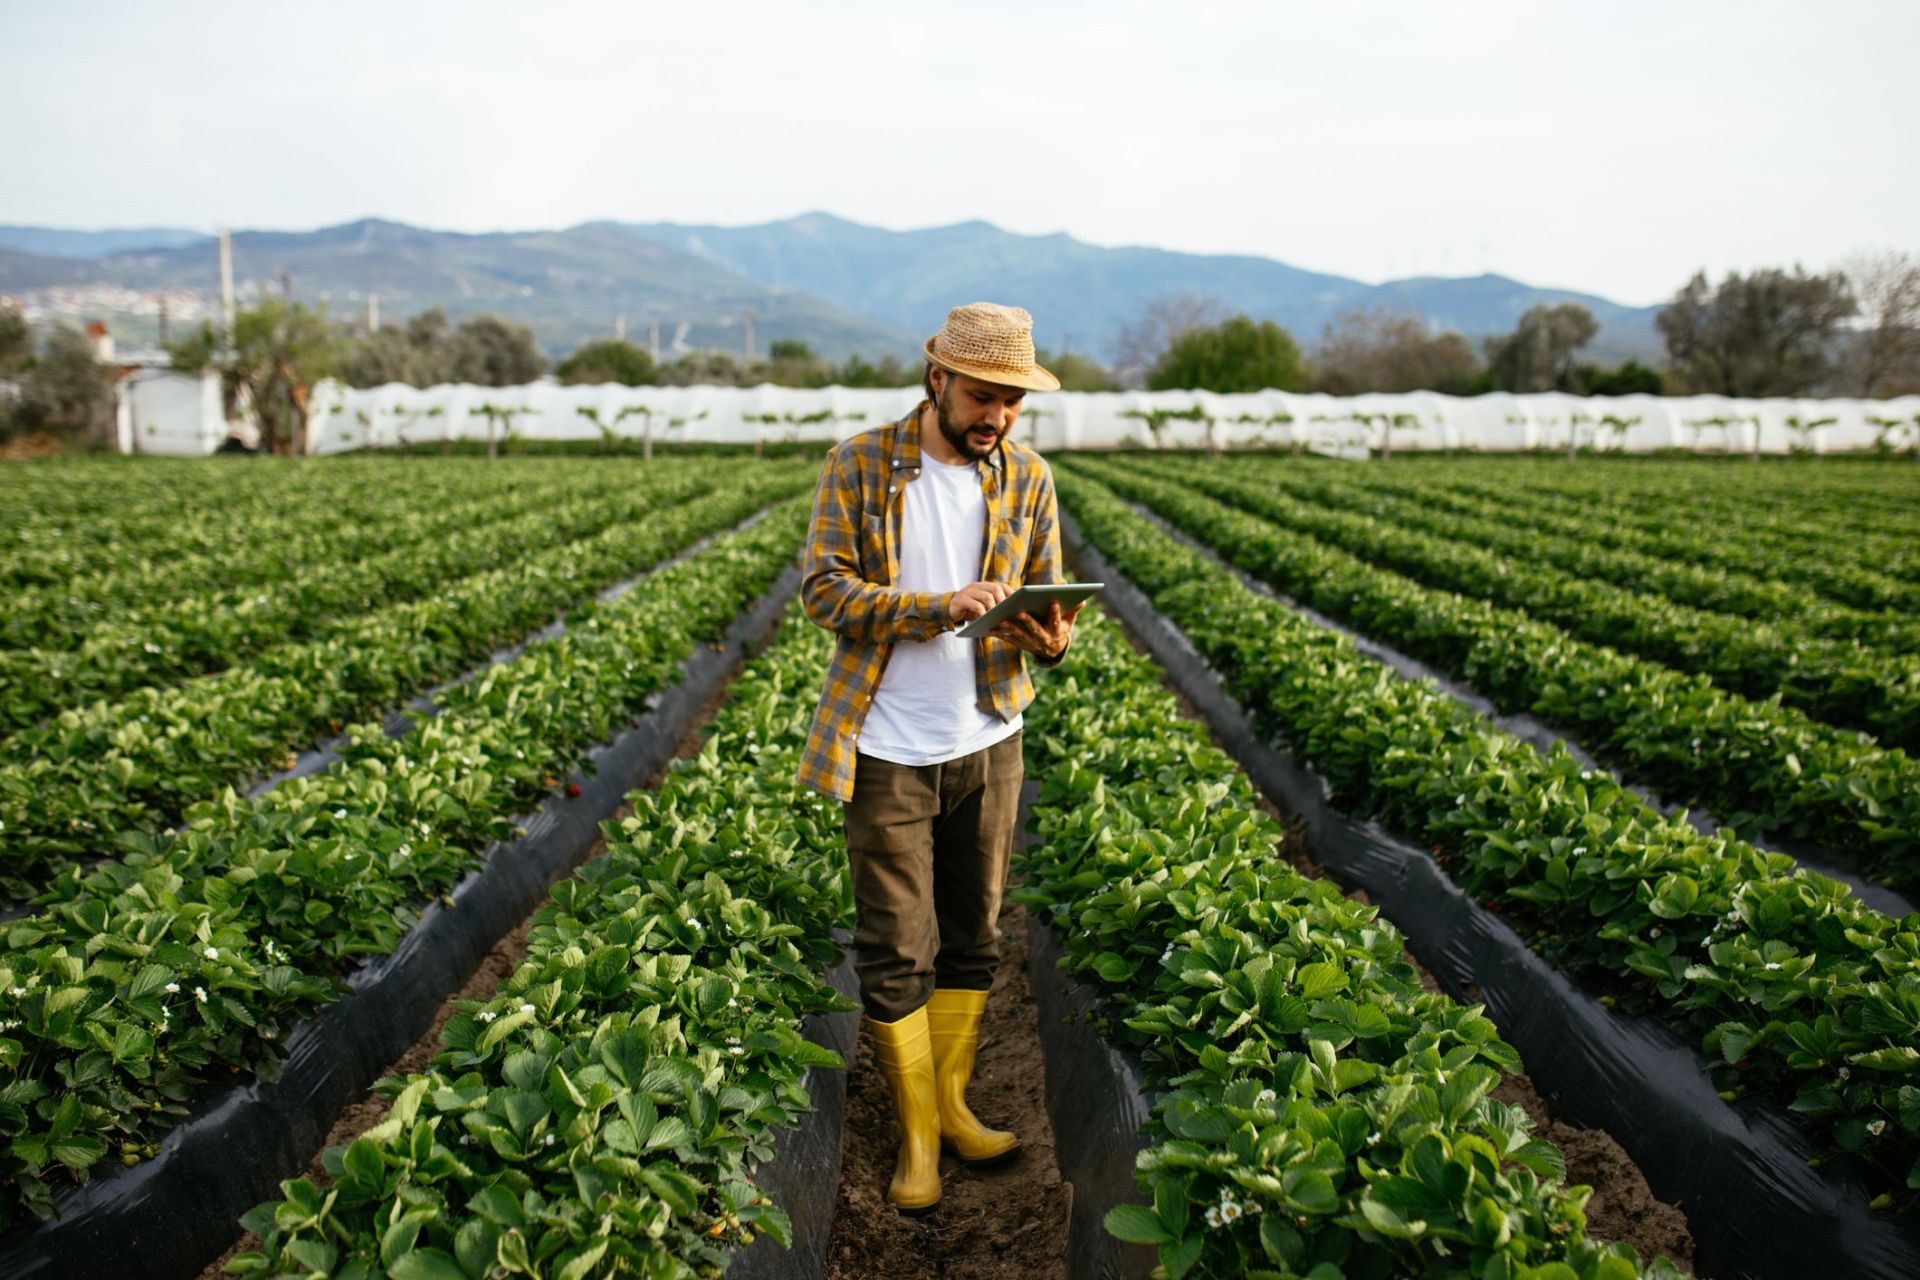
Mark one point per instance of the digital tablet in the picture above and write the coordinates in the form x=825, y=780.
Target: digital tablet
x=1029, y=599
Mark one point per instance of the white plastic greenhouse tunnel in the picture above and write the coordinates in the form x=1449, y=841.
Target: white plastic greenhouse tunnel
x=1357, y=426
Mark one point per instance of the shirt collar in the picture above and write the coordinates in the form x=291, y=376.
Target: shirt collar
x=906, y=443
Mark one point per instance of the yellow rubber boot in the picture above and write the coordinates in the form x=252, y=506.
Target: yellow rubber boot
x=904, y=1053
x=953, y=1018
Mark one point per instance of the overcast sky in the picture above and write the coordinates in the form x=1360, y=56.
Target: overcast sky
x=1614, y=146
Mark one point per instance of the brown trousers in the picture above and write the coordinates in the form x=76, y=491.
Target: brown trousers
x=929, y=845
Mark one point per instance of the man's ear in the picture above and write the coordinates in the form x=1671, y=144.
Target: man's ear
x=938, y=377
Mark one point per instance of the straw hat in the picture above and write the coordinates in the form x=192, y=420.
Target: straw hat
x=993, y=343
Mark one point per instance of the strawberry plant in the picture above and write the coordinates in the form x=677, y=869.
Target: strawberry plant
x=1754, y=958
x=603, y=1113
x=1757, y=765
x=213, y=939
x=1320, y=1113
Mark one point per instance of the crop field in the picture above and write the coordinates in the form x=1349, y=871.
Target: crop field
x=270, y=735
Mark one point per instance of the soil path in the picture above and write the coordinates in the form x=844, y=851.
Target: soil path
x=996, y=1224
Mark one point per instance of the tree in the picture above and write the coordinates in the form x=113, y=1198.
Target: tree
x=1629, y=379
x=1383, y=350
x=490, y=352
x=890, y=372
x=280, y=349
x=64, y=391
x=16, y=341
x=608, y=360
x=1886, y=352
x=418, y=354
x=1075, y=371
x=1165, y=320
x=1767, y=334
x=1538, y=354
x=1241, y=354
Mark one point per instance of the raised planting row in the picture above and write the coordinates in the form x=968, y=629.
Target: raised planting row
x=345, y=521
x=150, y=979
x=192, y=523
x=1839, y=682
x=179, y=639
x=603, y=1113
x=1757, y=766
x=1865, y=510
x=1799, y=993
x=1319, y=1113
x=113, y=776
x=1795, y=610
x=1674, y=529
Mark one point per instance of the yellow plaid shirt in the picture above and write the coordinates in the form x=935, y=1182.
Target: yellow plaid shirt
x=853, y=556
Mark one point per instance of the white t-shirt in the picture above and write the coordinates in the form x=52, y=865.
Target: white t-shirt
x=926, y=710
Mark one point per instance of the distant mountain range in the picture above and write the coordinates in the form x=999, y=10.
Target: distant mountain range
x=839, y=286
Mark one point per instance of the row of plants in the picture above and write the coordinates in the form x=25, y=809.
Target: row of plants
x=1758, y=767
x=144, y=984
x=1795, y=610
x=112, y=777
x=134, y=582
x=1839, y=682
x=1824, y=560
x=1798, y=993
x=199, y=521
x=1871, y=507
x=604, y=1112
x=1318, y=1113
x=180, y=639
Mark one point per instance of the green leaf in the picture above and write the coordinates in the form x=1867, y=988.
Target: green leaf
x=1178, y=1258
x=426, y=1264
x=1137, y=1224
x=77, y=1151
x=1317, y=980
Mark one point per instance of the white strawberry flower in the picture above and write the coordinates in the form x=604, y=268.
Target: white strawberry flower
x=211, y=953
x=487, y=1015
x=173, y=988
x=1772, y=965
x=1213, y=1216
x=1229, y=1211
x=1877, y=1127
x=1268, y=1095
x=200, y=994
x=339, y=813
x=526, y=1008
x=17, y=992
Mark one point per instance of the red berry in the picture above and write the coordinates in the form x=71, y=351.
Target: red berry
x=573, y=788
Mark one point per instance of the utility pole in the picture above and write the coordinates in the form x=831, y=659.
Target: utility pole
x=749, y=335
x=226, y=289
x=373, y=313
x=286, y=284
x=653, y=340
x=163, y=319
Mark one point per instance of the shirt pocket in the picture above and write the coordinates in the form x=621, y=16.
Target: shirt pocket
x=873, y=547
x=1010, y=551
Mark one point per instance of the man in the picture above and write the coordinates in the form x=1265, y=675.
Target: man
x=918, y=527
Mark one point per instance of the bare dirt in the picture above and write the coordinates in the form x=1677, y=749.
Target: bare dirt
x=994, y=1224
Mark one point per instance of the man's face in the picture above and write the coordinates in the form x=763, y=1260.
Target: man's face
x=974, y=415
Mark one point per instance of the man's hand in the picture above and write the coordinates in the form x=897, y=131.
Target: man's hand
x=1048, y=638
x=970, y=602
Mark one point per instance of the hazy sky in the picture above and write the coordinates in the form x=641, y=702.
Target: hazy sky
x=1612, y=146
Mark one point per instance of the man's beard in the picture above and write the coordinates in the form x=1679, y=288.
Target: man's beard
x=962, y=443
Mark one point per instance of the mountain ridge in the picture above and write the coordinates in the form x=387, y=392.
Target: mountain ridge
x=839, y=285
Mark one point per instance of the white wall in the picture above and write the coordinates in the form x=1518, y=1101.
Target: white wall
x=163, y=412
x=344, y=418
